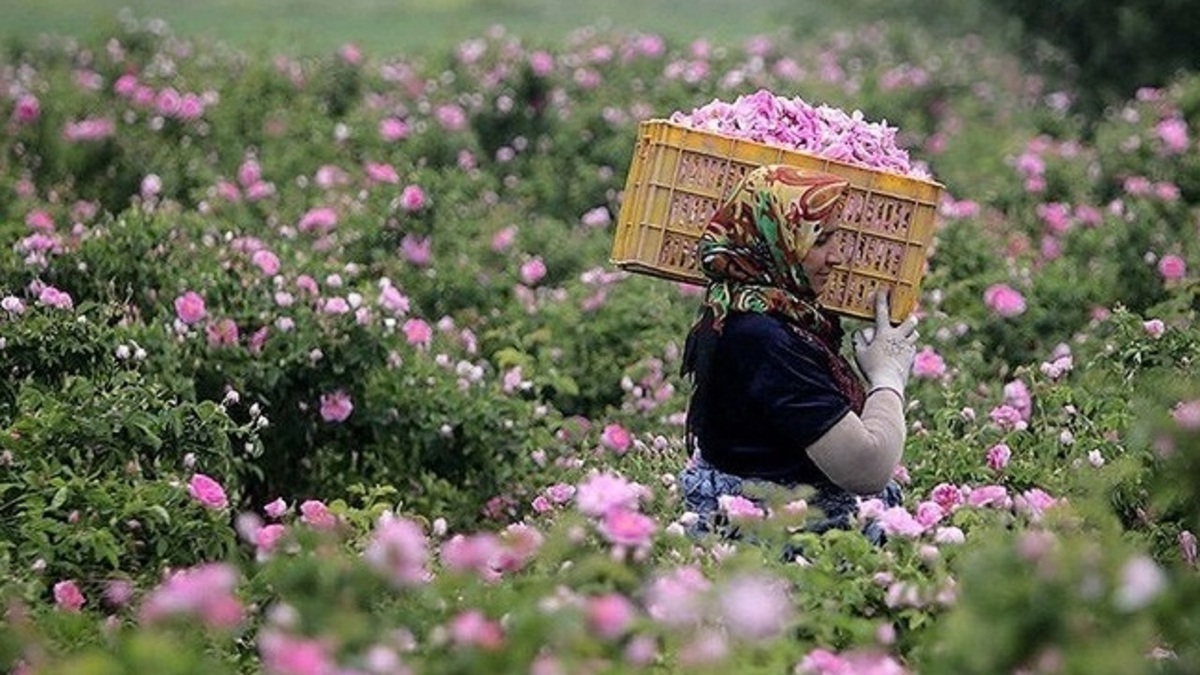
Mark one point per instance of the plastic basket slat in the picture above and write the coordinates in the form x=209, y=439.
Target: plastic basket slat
x=679, y=176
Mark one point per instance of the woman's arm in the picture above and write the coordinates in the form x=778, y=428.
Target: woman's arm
x=859, y=453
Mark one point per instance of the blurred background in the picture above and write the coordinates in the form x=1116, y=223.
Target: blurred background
x=1106, y=48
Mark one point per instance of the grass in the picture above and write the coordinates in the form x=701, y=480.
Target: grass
x=309, y=27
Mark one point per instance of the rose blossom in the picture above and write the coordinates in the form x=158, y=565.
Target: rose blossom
x=190, y=308
x=67, y=596
x=417, y=332
x=738, y=507
x=755, y=607
x=316, y=514
x=1187, y=414
x=207, y=491
x=27, y=110
x=625, y=527
x=205, y=591
x=473, y=629
x=1172, y=267
x=336, y=406
x=1004, y=300
x=603, y=492
x=928, y=364
x=616, y=438
x=610, y=615
x=276, y=509
x=393, y=129
x=532, y=271
x=997, y=457
x=504, y=238
x=412, y=198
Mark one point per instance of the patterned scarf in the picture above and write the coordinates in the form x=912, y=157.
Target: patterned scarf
x=752, y=248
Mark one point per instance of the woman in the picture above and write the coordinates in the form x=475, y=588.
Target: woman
x=773, y=398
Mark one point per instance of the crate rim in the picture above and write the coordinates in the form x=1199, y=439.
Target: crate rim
x=659, y=121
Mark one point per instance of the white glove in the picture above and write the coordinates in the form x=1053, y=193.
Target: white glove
x=885, y=353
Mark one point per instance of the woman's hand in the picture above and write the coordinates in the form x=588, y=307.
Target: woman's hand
x=885, y=353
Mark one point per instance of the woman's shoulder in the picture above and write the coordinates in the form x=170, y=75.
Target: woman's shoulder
x=767, y=329
x=756, y=326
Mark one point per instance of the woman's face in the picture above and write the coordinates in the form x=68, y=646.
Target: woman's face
x=822, y=257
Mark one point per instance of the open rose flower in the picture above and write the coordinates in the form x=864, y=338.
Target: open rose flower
x=207, y=491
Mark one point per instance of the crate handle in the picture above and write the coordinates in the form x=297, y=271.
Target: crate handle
x=644, y=145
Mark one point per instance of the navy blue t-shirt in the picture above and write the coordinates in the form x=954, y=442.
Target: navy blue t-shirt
x=772, y=394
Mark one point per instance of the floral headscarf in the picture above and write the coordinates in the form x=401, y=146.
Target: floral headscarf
x=752, y=248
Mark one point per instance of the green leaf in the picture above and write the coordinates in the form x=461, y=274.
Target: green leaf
x=159, y=511
x=60, y=498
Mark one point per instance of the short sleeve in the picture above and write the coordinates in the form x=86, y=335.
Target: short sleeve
x=788, y=378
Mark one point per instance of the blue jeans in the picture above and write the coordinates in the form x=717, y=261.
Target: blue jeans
x=703, y=484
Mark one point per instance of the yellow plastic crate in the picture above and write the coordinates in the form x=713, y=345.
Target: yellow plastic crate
x=679, y=177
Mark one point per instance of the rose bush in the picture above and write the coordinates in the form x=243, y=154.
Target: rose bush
x=317, y=366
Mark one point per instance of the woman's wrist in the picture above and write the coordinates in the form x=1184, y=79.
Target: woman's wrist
x=887, y=387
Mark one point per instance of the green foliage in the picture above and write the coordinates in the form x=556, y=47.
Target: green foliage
x=338, y=363
x=1112, y=48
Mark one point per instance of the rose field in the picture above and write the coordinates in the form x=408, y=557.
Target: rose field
x=318, y=364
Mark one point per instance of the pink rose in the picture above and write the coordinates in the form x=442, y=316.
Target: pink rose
x=603, y=492
x=381, y=173
x=321, y=219
x=417, y=250
x=316, y=514
x=267, y=537
x=288, y=655
x=624, y=527
x=1154, y=328
x=266, y=261
x=541, y=505
x=336, y=406
x=616, y=438
x=929, y=513
x=40, y=221
x=989, y=495
x=393, y=129
x=207, y=491
x=947, y=496
x=67, y=596
x=997, y=457
x=398, y=549
x=52, y=297
x=205, y=592
x=276, y=509
x=190, y=308
x=451, y=117
x=223, y=333
x=1004, y=300
x=1173, y=132
x=504, y=238
x=1034, y=502
x=898, y=521
x=928, y=364
x=755, y=607
x=1007, y=418
x=417, y=332
x=1187, y=414
x=739, y=508
x=532, y=271
x=412, y=198
x=1172, y=267
x=27, y=110
x=473, y=629
x=610, y=616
